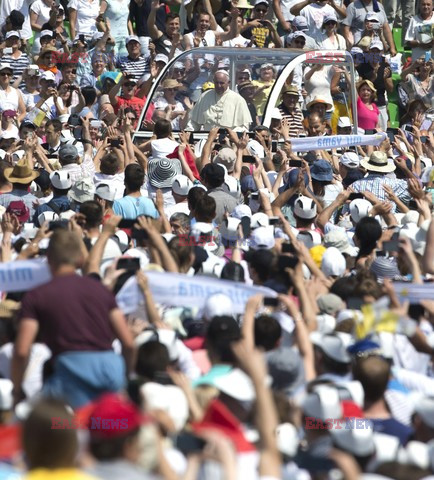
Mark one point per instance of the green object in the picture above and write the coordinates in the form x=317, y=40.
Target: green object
x=68, y=29
x=397, y=38
x=393, y=110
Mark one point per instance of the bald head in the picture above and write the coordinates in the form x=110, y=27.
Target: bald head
x=373, y=373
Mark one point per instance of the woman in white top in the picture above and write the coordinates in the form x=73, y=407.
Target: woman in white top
x=40, y=13
x=10, y=97
x=329, y=38
x=82, y=17
x=168, y=102
x=317, y=81
x=162, y=144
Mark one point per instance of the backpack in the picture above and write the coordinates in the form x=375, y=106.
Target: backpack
x=20, y=210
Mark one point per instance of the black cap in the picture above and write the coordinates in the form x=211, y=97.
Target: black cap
x=223, y=330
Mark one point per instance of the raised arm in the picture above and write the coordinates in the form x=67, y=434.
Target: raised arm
x=153, y=30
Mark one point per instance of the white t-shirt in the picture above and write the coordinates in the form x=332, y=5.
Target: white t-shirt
x=9, y=100
x=86, y=15
x=42, y=10
x=161, y=103
x=163, y=147
x=416, y=28
x=207, y=41
x=6, y=7
x=239, y=41
x=116, y=181
x=314, y=15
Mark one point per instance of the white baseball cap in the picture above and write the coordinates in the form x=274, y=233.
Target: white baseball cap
x=259, y=219
x=262, y=238
x=132, y=38
x=48, y=76
x=344, y=122
x=305, y=207
x=231, y=186
x=359, y=208
x=333, y=263
x=161, y=58
x=105, y=191
x=60, y=179
x=181, y=185
x=350, y=160
x=218, y=305
x=241, y=211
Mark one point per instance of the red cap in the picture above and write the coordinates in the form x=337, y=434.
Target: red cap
x=10, y=113
x=112, y=415
x=219, y=418
x=351, y=410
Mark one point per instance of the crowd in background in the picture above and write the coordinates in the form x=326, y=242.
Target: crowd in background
x=205, y=300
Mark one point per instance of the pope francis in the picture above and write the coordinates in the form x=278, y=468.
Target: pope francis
x=220, y=107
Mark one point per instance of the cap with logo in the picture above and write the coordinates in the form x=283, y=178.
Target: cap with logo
x=12, y=33
x=305, y=207
x=105, y=191
x=61, y=180
x=181, y=185
x=132, y=38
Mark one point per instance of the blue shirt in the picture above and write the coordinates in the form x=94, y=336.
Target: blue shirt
x=132, y=207
x=62, y=203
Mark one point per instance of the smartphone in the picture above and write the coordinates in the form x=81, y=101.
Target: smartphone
x=355, y=196
x=188, y=443
x=56, y=224
x=408, y=128
x=240, y=135
x=8, y=51
x=191, y=139
x=423, y=138
x=274, y=146
x=245, y=225
x=273, y=220
x=139, y=234
x=252, y=135
x=286, y=262
x=115, y=142
x=271, y=301
x=254, y=196
x=78, y=133
x=381, y=253
x=412, y=205
x=222, y=131
x=354, y=303
x=74, y=120
x=126, y=223
x=393, y=244
x=296, y=163
x=427, y=56
x=96, y=123
x=302, y=135
x=370, y=132
x=81, y=37
x=128, y=263
x=249, y=159
x=288, y=248
x=391, y=134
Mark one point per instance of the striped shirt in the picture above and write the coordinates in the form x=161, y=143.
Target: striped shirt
x=137, y=68
x=294, y=118
x=18, y=66
x=374, y=182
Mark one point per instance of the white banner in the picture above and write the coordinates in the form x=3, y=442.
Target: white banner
x=413, y=292
x=306, y=144
x=179, y=290
x=23, y=275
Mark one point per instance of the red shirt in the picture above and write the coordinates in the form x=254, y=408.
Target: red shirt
x=136, y=103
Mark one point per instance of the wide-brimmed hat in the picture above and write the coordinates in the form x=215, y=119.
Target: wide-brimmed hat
x=162, y=171
x=170, y=83
x=242, y=4
x=378, y=162
x=320, y=99
x=368, y=82
x=20, y=173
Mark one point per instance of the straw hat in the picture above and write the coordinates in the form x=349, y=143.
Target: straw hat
x=378, y=162
x=21, y=173
x=170, y=83
x=242, y=4
x=319, y=99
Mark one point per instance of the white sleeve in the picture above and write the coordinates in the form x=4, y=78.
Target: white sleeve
x=73, y=4
x=410, y=33
x=186, y=363
x=417, y=382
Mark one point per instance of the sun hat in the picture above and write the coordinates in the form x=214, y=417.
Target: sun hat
x=170, y=83
x=321, y=171
x=319, y=99
x=378, y=162
x=243, y=85
x=359, y=208
x=242, y=4
x=305, y=207
x=20, y=173
x=83, y=190
x=5, y=66
x=61, y=180
x=105, y=191
x=339, y=239
x=291, y=90
x=350, y=160
x=330, y=303
x=368, y=82
x=161, y=172
x=226, y=157
x=181, y=185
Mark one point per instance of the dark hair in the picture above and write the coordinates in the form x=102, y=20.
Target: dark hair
x=134, y=177
x=193, y=197
x=130, y=110
x=218, y=341
x=205, y=210
x=93, y=212
x=109, y=164
x=344, y=287
x=162, y=128
x=182, y=253
x=111, y=448
x=152, y=357
x=368, y=231
x=60, y=445
x=17, y=19
x=330, y=365
x=69, y=100
x=171, y=16
x=233, y=271
x=57, y=125
x=89, y=94
x=267, y=332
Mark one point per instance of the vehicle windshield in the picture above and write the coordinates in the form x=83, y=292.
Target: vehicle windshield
x=258, y=76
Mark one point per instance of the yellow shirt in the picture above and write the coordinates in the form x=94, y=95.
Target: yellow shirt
x=260, y=100
x=59, y=474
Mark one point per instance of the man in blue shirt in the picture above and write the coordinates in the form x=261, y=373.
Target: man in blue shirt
x=134, y=204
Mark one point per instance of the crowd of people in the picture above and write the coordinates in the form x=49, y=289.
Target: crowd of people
x=185, y=293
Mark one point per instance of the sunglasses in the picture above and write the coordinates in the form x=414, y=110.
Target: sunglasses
x=5, y=74
x=260, y=10
x=330, y=22
x=170, y=89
